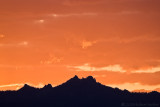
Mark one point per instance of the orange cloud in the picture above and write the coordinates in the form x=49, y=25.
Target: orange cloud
x=148, y=70
x=23, y=43
x=114, y=68
x=73, y=14
x=18, y=86
x=2, y=36
x=10, y=85
x=87, y=67
x=52, y=59
x=85, y=44
x=40, y=21
x=134, y=86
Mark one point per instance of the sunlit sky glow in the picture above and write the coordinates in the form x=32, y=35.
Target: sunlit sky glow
x=50, y=41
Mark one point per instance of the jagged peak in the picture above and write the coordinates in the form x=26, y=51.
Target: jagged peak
x=75, y=77
x=26, y=87
x=89, y=78
x=48, y=86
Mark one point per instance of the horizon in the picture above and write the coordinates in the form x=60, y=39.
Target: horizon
x=49, y=41
x=41, y=86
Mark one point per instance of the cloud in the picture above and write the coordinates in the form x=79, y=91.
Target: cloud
x=2, y=36
x=142, y=38
x=121, y=78
x=23, y=43
x=18, y=86
x=132, y=39
x=40, y=85
x=82, y=2
x=87, y=67
x=85, y=44
x=52, y=59
x=134, y=86
x=148, y=70
x=114, y=68
x=128, y=12
x=73, y=15
x=40, y=21
x=99, y=76
x=69, y=5
x=10, y=85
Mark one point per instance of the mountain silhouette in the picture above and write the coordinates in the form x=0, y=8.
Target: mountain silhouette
x=76, y=92
x=49, y=86
x=27, y=87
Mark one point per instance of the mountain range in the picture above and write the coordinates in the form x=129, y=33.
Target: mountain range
x=75, y=92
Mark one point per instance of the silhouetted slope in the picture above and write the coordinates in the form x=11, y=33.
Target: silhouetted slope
x=85, y=92
x=27, y=88
x=49, y=86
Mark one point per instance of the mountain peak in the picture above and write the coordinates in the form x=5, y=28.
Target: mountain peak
x=79, y=82
x=75, y=77
x=49, y=86
x=91, y=78
x=27, y=87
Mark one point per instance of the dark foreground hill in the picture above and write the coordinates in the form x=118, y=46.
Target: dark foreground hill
x=77, y=92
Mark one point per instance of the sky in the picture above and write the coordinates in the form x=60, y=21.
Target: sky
x=49, y=41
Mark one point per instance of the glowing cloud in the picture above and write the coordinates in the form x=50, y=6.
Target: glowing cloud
x=23, y=43
x=114, y=68
x=85, y=44
x=41, y=21
x=18, y=86
x=128, y=12
x=2, y=36
x=73, y=14
x=87, y=67
x=52, y=59
x=40, y=85
x=134, y=86
x=149, y=70
x=11, y=85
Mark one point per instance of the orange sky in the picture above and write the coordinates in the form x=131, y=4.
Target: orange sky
x=50, y=41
